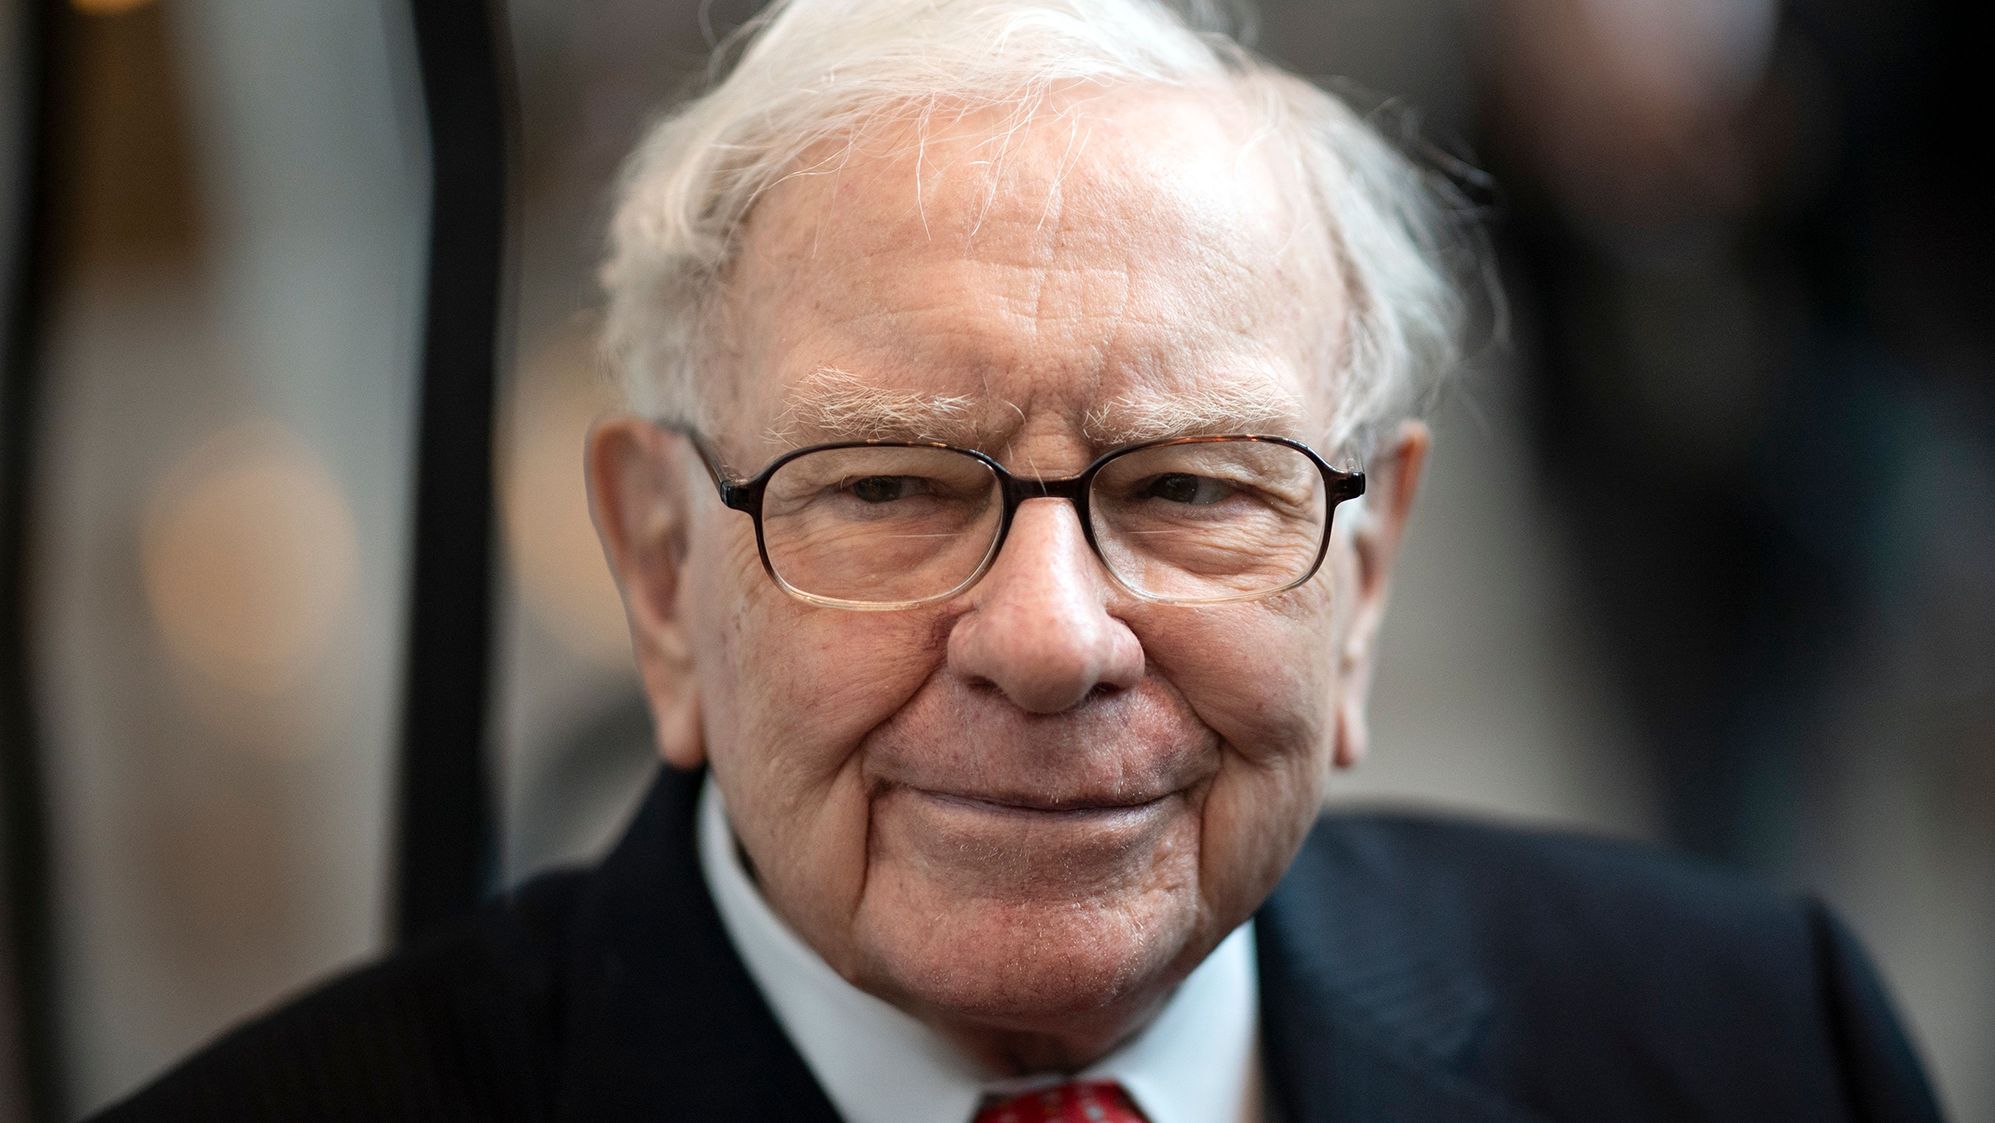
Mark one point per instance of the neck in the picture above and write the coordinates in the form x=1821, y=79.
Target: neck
x=1068, y=1047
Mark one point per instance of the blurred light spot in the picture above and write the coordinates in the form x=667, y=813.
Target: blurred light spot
x=1705, y=48
x=550, y=541
x=107, y=7
x=249, y=556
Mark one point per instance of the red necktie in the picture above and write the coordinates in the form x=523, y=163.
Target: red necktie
x=1097, y=1101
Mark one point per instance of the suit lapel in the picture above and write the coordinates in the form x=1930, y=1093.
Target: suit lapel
x=664, y=1021
x=1366, y=1014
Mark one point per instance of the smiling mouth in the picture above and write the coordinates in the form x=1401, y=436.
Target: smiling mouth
x=1026, y=846
x=1033, y=807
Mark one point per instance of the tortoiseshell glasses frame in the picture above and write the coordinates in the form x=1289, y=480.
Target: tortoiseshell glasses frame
x=749, y=495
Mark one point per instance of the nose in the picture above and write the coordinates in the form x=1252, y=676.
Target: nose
x=1038, y=627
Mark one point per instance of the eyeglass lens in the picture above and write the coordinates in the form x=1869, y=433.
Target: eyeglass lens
x=1180, y=522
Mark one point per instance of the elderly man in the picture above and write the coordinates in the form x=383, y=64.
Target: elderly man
x=1022, y=437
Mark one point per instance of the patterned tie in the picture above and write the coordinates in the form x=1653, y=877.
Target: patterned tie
x=1097, y=1101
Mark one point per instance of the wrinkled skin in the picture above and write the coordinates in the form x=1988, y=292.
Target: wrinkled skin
x=1025, y=813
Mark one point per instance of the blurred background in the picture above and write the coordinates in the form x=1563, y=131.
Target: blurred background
x=1704, y=559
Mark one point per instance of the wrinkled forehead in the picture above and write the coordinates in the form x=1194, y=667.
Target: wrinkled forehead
x=1114, y=247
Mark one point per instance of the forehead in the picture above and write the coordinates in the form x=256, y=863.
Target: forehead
x=1118, y=251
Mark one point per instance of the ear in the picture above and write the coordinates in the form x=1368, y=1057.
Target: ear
x=1392, y=481
x=637, y=496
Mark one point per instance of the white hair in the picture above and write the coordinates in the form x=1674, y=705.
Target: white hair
x=810, y=71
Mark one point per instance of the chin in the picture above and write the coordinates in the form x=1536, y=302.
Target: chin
x=1074, y=972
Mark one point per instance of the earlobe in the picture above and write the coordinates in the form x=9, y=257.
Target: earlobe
x=1353, y=729
x=637, y=500
x=681, y=740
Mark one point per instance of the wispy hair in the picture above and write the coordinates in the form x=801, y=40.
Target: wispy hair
x=808, y=77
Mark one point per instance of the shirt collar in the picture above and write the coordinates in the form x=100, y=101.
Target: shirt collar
x=1195, y=1063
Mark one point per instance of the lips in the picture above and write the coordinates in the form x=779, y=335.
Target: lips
x=1025, y=848
x=1028, y=804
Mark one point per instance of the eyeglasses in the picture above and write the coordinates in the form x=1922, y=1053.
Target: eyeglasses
x=877, y=525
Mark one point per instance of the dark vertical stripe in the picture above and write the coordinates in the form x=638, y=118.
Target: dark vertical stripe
x=445, y=831
x=23, y=808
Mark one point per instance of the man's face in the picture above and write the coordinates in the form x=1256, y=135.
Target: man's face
x=1027, y=811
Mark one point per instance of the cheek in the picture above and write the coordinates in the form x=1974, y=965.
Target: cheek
x=790, y=690
x=789, y=693
x=780, y=672
x=1261, y=675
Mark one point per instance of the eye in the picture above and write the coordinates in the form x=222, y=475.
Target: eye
x=884, y=489
x=1183, y=487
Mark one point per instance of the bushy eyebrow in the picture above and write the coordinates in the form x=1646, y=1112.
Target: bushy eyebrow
x=831, y=404
x=1247, y=404
x=834, y=405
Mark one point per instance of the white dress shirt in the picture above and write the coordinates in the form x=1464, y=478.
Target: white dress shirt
x=1197, y=1062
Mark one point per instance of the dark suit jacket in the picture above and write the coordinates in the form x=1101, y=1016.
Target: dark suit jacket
x=1411, y=969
